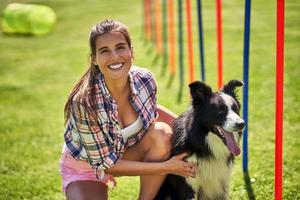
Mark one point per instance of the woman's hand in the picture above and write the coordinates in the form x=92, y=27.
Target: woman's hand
x=176, y=165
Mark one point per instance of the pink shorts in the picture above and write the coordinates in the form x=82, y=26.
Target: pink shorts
x=73, y=170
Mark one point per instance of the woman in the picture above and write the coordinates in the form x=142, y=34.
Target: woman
x=113, y=124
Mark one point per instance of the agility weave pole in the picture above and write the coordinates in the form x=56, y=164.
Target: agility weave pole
x=165, y=37
x=181, y=52
x=245, y=79
x=152, y=20
x=219, y=43
x=201, y=40
x=171, y=36
x=189, y=40
x=158, y=27
x=279, y=98
x=147, y=10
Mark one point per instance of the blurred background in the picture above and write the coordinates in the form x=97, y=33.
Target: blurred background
x=38, y=72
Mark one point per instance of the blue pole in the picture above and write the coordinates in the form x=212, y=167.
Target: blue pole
x=246, y=78
x=201, y=41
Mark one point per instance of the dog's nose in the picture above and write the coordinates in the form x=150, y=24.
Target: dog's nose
x=240, y=125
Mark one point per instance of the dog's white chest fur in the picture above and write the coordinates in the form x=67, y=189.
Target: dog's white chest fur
x=213, y=173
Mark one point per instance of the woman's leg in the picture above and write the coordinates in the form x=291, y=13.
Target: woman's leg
x=86, y=190
x=154, y=146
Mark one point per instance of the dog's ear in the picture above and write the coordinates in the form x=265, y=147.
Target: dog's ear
x=229, y=88
x=200, y=92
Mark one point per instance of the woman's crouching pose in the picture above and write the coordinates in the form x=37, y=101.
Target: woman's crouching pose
x=114, y=126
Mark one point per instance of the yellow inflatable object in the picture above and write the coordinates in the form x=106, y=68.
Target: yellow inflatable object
x=28, y=19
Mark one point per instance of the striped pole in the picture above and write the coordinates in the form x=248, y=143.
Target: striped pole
x=190, y=41
x=279, y=98
x=219, y=42
x=246, y=78
x=201, y=41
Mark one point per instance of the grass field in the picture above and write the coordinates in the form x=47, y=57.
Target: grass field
x=37, y=73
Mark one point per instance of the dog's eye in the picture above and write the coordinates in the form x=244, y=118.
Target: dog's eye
x=235, y=108
x=222, y=110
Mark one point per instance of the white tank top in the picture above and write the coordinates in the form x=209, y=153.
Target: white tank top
x=132, y=129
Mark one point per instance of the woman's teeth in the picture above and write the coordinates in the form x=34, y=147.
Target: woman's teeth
x=115, y=66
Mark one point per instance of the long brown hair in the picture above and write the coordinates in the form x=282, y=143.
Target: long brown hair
x=84, y=90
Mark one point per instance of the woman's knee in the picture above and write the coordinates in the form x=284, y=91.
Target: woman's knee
x=161, y=135
x=160, y=131
x=86, y=190
x=154, y=146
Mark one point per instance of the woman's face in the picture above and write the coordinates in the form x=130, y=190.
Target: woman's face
x=113, y=56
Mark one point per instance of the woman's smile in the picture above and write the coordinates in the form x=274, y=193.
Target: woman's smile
x=116, y=67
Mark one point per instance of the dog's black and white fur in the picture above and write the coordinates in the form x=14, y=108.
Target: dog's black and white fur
x=210, y=131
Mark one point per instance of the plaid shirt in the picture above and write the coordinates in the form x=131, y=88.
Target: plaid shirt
x=99, y=140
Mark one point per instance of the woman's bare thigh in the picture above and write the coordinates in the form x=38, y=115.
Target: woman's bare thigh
x=138, y=151
x=86, y=190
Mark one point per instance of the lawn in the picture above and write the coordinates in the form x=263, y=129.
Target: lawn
x=37, y=73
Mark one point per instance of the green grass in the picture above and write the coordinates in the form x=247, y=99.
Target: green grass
x=37, y=73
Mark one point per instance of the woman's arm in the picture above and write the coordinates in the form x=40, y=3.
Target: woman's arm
x=174, y=165
x=165, y=115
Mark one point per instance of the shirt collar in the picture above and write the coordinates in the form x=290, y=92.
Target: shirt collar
x=103, y=88
x=133, y=87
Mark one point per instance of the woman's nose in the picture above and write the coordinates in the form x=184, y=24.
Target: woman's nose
x=114, y=54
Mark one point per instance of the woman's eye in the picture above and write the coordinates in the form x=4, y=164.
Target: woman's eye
x=121, y=47
x=103, y=51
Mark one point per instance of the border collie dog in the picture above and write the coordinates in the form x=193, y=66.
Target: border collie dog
x=209, y=131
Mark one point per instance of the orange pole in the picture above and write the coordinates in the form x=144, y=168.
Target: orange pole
x=158, y=26
x=148, y=18
x=171, y=36
x=190, y=40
